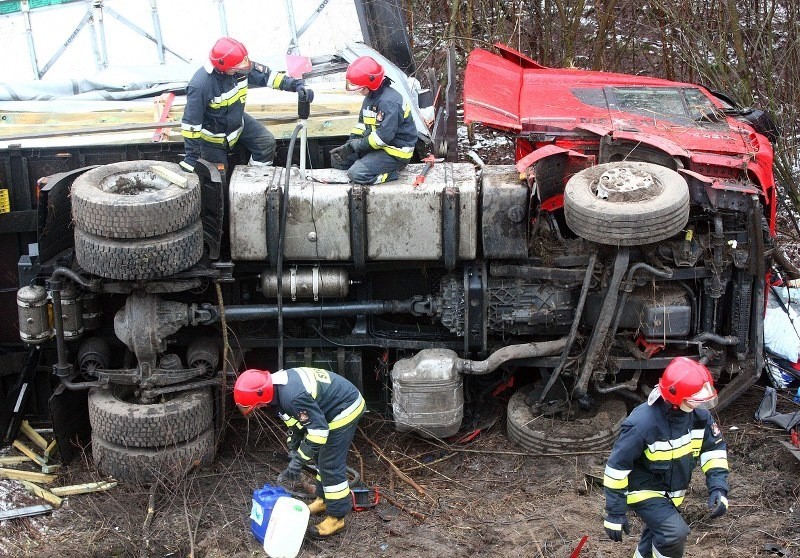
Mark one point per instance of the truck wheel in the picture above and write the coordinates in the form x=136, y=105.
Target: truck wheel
x=145, y=465
x=594, y=431
x=140, y=259
x=129, y=200
x=646, y=203
x=114, y=418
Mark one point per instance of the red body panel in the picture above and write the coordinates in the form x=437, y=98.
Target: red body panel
x=576, y=109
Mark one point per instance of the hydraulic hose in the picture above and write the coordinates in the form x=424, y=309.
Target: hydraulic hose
x=281, y=238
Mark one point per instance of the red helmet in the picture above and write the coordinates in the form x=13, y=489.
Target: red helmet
x=687, y=384
x=253, y=389
x=229, y=54
x=364, y=71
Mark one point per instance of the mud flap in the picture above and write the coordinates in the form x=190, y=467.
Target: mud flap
x=15, y=405
x=69, y=411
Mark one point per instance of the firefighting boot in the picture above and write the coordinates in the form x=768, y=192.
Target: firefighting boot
x=317, y=506
x=326, y=528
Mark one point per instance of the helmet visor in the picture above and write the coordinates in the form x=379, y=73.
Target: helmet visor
x=706, y=398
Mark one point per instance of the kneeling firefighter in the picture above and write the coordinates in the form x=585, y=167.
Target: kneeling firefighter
x=382, y=143
x=321, y=410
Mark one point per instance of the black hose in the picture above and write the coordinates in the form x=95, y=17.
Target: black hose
x=281, y=237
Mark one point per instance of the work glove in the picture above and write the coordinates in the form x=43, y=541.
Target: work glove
x=187, y=166
x=339, y=154
x=717, y=503
x=615, y=525
x=291, y=475
x=304, y=94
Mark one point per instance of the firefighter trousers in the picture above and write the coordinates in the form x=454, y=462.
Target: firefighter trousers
x=665, y=531
x=332, y=484
x=374, y=167
x=255, y=137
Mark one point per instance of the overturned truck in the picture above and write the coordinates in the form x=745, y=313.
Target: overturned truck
x=618, y=241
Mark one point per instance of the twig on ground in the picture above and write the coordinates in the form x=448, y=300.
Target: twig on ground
x=405, y=478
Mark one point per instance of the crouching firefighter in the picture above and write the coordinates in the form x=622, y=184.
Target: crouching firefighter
x=382, y=143
x=321, y=410
x=651, y=464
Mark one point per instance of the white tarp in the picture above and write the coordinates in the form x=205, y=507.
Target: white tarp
x=188, y=27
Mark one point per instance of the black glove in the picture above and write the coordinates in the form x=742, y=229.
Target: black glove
x=615, y=525
x=291, y=475
x=717, y=503
x=339, y=154
x=304, y=94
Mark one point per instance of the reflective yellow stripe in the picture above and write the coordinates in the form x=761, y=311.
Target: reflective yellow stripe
x=347, y=416
x=721, y=463
x=381, y=178
x=291, y=421
x=637, y=496
x=612, y=526
x=337, y=491
x=617, y=484
x=301, y=454
x=276, y=83
x=357, y=132
x=399, y=152
x=237, y=95
x=370, y=120
x=668, y=455
x=191, y=134
x=406, y=110
x=310, y=438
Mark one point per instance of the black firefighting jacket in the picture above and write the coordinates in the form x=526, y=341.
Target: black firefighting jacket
x=657, y=449
x=215, y=105
x=314, y=401
x=386, y=123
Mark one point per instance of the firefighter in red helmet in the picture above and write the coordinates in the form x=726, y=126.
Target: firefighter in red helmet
x=382, y=143
x=214, y=120
x=321, y=410
x=651, y=464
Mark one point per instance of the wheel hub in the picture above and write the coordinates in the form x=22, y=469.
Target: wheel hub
x=623, y=180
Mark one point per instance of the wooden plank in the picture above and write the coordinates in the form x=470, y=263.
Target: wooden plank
x=170, y=176
x=82, y=488
x=51, y=131
x=43, y=493
x=15, y=474
x=29, y=452
x=14, y=459
x=27, y=511
x=32, y=435
x=48, y=452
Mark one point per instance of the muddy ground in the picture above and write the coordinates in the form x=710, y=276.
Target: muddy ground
x=482, y=498
x=485, y=497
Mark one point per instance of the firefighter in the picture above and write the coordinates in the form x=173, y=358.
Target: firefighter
x=321, y=410
x=214, y=119
x=651, y=463
x=383, y=141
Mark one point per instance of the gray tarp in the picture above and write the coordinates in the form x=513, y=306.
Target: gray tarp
x=109, y=85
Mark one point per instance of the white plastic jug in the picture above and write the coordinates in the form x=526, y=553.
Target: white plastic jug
x=286, y=528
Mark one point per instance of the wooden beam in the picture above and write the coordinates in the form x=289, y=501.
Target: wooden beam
x=15, y=474
x=82, y=488
x=32, y=435
x=29, y=452
x=43, y=493
x=14, y=459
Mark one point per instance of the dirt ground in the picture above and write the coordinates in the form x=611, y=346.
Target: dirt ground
x=482, y=498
